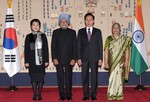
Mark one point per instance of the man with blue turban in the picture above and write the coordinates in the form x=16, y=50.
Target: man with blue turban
x=63, y=50
x=64, y=16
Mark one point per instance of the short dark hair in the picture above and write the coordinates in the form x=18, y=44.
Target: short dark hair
x=35, y=20
x=114, y=26
x=89, y=14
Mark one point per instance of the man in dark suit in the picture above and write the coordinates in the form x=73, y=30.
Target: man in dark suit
x=63, y=49
x=90, y=55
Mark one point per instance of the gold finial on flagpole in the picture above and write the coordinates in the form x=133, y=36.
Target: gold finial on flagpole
x=9, y=0
x=139, y=2
x=9, y=3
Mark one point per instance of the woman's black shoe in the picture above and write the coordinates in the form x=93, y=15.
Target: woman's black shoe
x=34, y=97
x=69, y=98
x=85, y=98
x=39, y=97
x=62, y=99
x=93, y=98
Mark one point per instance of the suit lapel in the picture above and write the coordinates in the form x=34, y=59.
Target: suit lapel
x=85, y=34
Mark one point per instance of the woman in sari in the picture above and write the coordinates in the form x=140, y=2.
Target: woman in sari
x=116, y=61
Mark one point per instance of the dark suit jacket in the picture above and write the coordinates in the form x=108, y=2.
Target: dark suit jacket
x=29, y=52
x=90, y=51
x=63, y=46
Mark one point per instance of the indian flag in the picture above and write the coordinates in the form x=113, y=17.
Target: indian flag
x=139, y=57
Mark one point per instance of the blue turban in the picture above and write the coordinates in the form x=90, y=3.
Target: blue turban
x=66, y=16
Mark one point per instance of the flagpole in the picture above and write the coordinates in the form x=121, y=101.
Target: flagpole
x=12, y=87
x=139, y=58
x=11, y=59
x=140, y=87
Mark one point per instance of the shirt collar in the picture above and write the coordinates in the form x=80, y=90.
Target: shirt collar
x=91, y=29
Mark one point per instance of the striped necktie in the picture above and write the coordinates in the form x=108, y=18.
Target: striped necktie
x=89, y=34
